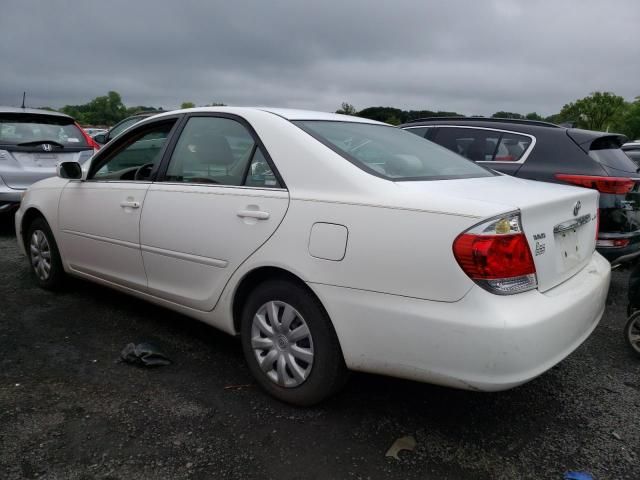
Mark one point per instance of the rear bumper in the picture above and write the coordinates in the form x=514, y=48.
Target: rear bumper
x=483, y=342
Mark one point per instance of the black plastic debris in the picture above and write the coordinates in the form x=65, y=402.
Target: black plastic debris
x=144, y=354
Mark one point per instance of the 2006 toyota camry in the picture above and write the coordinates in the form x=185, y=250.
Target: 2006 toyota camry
x=329, y=243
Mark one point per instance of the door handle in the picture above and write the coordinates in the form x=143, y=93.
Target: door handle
x=253, y=214
x=129, y=204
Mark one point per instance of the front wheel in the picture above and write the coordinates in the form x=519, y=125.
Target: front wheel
x=290, y=345
x=43, y=255
x=632, y=332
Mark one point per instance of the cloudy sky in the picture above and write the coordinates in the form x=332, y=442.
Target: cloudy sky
x=470, y=56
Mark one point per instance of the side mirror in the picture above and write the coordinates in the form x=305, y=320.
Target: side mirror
x=69, y=170
x=101, y=138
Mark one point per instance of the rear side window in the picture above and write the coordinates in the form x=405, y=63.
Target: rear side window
x=391, y=152
x=33, y=129
x=213, y=150
x=511, y=147
x=482, y=145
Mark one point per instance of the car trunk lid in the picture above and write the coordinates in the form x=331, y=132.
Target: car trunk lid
x=559, y=222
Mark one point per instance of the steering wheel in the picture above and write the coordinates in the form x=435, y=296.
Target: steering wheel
x=143, y=172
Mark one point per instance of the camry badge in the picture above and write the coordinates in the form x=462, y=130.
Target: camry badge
x=576, y=208
x=47, y=147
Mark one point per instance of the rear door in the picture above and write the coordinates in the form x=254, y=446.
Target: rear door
x=32, y=144
x=219, y=200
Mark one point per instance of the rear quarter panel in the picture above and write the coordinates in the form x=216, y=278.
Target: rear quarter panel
x=396, y=251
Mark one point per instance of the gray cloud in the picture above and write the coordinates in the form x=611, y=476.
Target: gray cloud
x=471, y=56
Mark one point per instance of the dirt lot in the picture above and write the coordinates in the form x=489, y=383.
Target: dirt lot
x=69, y=410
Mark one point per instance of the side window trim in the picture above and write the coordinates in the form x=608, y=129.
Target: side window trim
x=124, y=138
x=521, y=160
x=164, y=163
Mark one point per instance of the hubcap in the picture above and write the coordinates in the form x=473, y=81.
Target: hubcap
x=633, y=334
x=40, y=254
x=282, y=344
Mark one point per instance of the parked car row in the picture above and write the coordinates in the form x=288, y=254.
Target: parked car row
x=331, y=243
x=550, y=153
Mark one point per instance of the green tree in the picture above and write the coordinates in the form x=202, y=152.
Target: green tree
x=533, y=116
x=347, y=109
x=187, y=105
x=503, y=114
x=105, y=110
x=598, y=111
x=628, y=121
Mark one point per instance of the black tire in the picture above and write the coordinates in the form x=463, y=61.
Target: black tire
x=327, y=373
x=56, y=276
x=632, y=328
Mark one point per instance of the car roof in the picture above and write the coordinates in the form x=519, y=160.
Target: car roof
x=631, y=145
x=286, y=113
x=525, y=126
x=32, y=111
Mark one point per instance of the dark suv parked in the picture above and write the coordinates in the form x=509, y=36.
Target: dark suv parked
x=551, y=153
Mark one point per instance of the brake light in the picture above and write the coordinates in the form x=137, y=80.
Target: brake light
x=612, y=242
x=90, y=141
x=617, y=185
x=496, y=255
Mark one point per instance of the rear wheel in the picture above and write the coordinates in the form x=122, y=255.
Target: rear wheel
x=632, y=332
x=290, y=345
x=43, y=254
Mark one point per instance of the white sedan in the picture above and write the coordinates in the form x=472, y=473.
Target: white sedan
x=328, y=243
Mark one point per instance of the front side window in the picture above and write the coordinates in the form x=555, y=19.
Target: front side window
x=390, y=152
x=212, y=150
x=137, y=157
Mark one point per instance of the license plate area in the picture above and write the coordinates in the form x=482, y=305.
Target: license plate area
x=570, y=243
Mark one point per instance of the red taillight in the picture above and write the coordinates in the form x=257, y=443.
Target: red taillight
x=612, y=242
x=90, y=141
x=617, y=185
x=495, y=254
x=493, y=257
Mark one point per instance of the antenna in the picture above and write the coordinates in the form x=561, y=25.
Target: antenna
x=24, y=94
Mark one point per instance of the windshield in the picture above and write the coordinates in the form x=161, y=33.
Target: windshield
x=19, y=129
x=607, y=152
x=390, y=152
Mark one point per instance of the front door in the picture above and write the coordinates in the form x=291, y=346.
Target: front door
x=99, y=219
x=218, y=202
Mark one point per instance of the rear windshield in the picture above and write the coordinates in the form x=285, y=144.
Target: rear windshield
x=606, y=150
x=390, y=152
x=27, y=130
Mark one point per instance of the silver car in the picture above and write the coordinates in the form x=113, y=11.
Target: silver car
x=32, y=142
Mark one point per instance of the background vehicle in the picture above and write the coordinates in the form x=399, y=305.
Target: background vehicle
x=550, y=153
x=329, y=242
x=32, y=142
x=122, y=125
x=632, y=149
x=94, y=131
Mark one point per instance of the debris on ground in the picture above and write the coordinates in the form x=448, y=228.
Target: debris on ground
x=402, y=443
x=238, y=387
x=616, y=435
x=577, y=476
x=145, y=354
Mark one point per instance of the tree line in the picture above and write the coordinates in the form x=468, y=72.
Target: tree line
x=602, y=111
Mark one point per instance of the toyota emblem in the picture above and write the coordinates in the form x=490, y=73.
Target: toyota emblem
x=576, y=208
x=47, y=147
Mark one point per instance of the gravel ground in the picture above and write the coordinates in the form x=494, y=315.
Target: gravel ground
x=69, y=410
